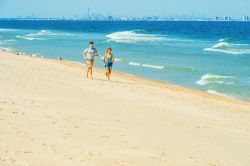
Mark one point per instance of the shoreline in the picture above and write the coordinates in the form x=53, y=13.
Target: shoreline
x=51, y=114
x=160, y=83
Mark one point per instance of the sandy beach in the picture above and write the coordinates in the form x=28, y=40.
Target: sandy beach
x=52, y=115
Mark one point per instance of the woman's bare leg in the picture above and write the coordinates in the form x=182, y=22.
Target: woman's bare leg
x=107, y=72
x=110, y=70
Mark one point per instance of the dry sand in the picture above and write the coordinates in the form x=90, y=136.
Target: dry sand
x=51, y=115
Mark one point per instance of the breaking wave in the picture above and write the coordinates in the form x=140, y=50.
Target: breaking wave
x=217, y=93
x=7, y=30
x=41, y=35
x=161, y=67
x=133, y=37
x=224, y=46
x=214, y=79
x=47, y=33
x=29, y=38
x=6, y=49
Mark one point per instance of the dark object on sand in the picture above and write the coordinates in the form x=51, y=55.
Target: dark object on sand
x=60, y=58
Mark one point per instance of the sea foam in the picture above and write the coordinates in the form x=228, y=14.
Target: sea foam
x=6, y=49
x=29, y=38
x=224, y=46
x=162, y=67
x=133, y=37
x=214, y=79
x=47, y=33
x=216, y=93
x=7, y=30
x=146, y=65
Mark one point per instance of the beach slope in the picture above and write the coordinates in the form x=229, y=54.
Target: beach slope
x=52, y=115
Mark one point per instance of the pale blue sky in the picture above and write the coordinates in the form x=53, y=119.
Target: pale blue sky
x=58, y=8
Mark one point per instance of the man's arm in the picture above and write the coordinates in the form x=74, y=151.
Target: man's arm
x=84, y=54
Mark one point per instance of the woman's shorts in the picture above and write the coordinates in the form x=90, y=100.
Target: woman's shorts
x=108, y=65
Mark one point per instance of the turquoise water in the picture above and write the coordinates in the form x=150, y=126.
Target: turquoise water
x=210, y=56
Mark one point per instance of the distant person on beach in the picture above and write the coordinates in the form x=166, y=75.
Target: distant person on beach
x=108, y=61
x=89, y=55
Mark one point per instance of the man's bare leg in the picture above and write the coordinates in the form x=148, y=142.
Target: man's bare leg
x=88, y=72
x=91, y=72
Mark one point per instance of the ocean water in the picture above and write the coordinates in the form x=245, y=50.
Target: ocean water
x=210, y=56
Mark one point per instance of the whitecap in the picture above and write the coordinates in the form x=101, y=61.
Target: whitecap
x=10, y=40
x=135, y=64
x=229, y=48
x=7, y=30
x=6, y=49
x=118, y=60
x=47, y=33
x=146, y=65
x=221, y=45
x=162, y=67
x=215, y=92
x=133, y=37
x=229, y=51
x=29, y=38
x=153, y=66
x=213, y=79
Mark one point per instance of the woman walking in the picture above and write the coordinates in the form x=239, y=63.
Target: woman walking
x=108, y=61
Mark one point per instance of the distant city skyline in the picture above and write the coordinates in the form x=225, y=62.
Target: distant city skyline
x=130, y=8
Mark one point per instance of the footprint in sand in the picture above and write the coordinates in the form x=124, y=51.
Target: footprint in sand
x=124, y=142
x=161, y=157
x=76, y=127
x=66, y=136
x=193, y=158
x=121, y=163
x=104, y=136
x=135, y=147
x=27, y=152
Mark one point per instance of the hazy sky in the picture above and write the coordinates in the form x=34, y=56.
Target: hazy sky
x=69, y=8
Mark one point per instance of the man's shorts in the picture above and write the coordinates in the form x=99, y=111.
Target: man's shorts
x=90, y=63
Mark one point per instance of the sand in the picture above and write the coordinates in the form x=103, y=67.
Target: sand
x=52, y=115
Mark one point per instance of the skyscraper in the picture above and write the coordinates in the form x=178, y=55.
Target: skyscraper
x=245, y=18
